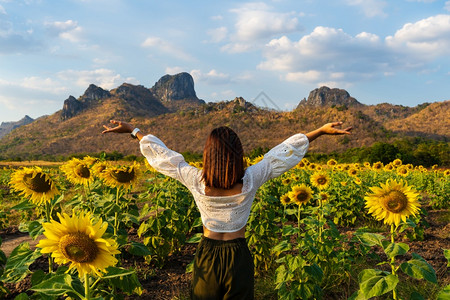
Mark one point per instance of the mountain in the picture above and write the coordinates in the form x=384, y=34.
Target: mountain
x=172, y=111
x=7, y=127
x=324, y=96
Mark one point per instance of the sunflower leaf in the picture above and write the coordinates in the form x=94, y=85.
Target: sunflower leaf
x=418, y=268
x=195, y=238
x=125, y=280
x=55, y=286
x=374, y=283
x=394, y=249
x=371, y=239
x=25, y=205
x=139, y=249
x=281, y=247
x=16, y=268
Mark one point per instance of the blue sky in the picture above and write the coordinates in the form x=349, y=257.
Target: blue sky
x=379, y=51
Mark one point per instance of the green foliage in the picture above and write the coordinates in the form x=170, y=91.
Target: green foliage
x=16, y=268
x=173, y=216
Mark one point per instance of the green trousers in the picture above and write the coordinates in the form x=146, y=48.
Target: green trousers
x=223, y=270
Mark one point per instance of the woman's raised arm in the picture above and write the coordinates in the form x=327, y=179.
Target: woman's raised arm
x=329, y=129
x=122, y=127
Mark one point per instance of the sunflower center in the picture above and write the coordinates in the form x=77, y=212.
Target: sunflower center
x=302, y=197
x=82, y=171
x=123, y=176
x=78, y=247
x=321, y=180
x=38, y=183
x=395, y=201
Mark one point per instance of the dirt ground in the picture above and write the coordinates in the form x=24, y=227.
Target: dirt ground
x=172, y=282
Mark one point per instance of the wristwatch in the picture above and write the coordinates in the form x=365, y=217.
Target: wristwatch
x=134, y=132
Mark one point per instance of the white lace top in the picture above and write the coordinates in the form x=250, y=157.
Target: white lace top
x=225, y=213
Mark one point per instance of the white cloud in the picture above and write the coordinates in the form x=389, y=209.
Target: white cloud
x=217, y=18
x=68, y=30
x=212, y=77
x=217, y=34
x=257, y=22
x=165, y=47
x=447, y=6
x=223, y=95
x=43, y=84
x=370, y=8
x=35, y=83
x=174, y=70
x=104, y=78
x=2, y=10
x=427, y=38
x=332, y=56
x=308, y=76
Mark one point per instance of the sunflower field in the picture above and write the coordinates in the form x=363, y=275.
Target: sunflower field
x=100, y=229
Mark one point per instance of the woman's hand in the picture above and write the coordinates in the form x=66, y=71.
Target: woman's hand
x=123, y=127
x=329, y=128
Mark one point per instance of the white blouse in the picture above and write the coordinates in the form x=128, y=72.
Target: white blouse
x=225, y=213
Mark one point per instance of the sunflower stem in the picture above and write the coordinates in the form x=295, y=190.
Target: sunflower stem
x=320, y=220
x=87, y=291
x=50, y=264
x=116, y=214
x=392, y=263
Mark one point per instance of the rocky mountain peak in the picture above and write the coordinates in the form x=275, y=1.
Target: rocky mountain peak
x=324, y=96
x=7, y=127
x=175, y=87
x=94, y=92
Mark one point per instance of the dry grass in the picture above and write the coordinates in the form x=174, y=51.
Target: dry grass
x=29, y=163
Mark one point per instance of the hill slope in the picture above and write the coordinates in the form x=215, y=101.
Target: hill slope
x=183, y=123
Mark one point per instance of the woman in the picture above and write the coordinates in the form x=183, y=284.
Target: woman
x=224, y=192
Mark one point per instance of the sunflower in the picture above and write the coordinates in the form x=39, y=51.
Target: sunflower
x=393, y=202
x=312, y=166
x=78, y=172
x=300, y=194
x=199, y=164
x=389, y=167
x=377, y=166
x=358, y=181
x=284, y=199
x=35, y=184
x=89, y=160
x=99, y=167
x=247, y=162
x=324, y=197
x=352, y=172
x=122, y=177
x=403, y=171
x=367, y=164
x=446, y=172
x=295, y=177
x=286, y=181
x=257, y=159
x=397, y=162
x=78, y=241
x=320, y=180
x=301, y=165
x=331, y=162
